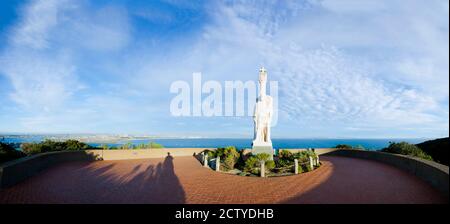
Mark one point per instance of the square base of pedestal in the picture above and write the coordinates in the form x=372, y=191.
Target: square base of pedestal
x=257, y=149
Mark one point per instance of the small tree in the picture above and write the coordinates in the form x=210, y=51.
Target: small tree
x=229, y=156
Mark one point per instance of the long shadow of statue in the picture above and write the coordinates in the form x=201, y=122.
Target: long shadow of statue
x=151, y=184
x=156, y=184
x=170, y=187
x=122, y=182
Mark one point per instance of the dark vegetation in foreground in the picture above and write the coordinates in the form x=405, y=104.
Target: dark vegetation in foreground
x=53, y=146
x=8, y=151
x=405, y=148
x=433, y=150
x=438, y=149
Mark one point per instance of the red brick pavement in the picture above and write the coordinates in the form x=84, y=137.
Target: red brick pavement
x=184, y=180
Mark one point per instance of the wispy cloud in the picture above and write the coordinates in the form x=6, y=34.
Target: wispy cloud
x=42, y=57
x=337, y=64
x=356, y=67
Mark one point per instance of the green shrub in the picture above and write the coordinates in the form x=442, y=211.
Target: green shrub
x=128, y=145
x=154, y=145
x=437, y=149
x=300, y=169
x=53, y=146
x=286, y=158
x=141, y=146
x=307, y=167
x=252, y=164
x=303, y=156
x=220, y=152
x=211, y=154
x=228, y=156
x=343, y=146
x=8, y=152
x=285, y=154
x=269, y=165
x=31, y=148
x=263, y=157
x=240, y=164
x=150, y=145
x=405, y=148
x=104, y=147
x=74, y=145
x=283, y=162
x=229, y=162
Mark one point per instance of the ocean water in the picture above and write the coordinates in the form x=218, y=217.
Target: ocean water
x=370, y=144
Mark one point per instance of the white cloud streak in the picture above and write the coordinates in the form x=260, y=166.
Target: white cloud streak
x=360, y=66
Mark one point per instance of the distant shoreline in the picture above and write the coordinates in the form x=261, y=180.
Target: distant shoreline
x=278, y=143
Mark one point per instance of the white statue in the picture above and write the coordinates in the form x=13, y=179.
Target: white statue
x=263, y=117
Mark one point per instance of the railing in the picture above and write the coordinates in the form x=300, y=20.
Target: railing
x=311, y=162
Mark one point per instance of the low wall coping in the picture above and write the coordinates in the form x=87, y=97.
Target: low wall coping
x=431, y=172
x=15, y=171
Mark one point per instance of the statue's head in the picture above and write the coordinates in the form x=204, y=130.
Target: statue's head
x=262, y=75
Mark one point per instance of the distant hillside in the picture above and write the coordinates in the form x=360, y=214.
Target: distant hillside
x=438, y=149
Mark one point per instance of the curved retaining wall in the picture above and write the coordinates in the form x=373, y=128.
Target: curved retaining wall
x=434, y=173
x=18, y=170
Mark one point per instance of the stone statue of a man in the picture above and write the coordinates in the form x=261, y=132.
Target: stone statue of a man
x=263, y=117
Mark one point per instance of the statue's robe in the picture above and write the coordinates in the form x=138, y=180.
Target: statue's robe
x=263, y=117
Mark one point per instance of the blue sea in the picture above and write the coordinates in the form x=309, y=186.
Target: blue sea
x=370, y=144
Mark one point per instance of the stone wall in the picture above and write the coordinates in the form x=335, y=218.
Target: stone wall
x=318, y=151
x=18, y=170
x=145, y=153
x=434, y=173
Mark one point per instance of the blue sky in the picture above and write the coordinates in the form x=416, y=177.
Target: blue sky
x=346, y=68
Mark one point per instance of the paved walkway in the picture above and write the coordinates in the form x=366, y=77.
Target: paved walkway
x=184, y=180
